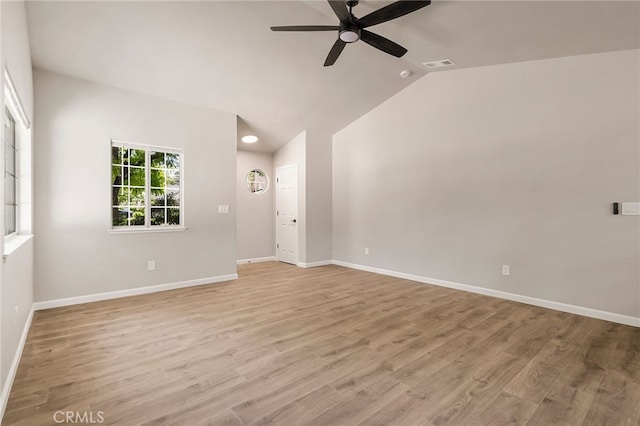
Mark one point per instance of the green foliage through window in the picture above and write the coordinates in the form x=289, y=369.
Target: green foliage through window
x=146, y=189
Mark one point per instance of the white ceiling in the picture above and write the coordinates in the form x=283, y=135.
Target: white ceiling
x=222, y=54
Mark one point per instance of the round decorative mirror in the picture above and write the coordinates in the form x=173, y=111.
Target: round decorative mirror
x=257, y=181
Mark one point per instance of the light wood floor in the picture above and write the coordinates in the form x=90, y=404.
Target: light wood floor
x=330, y=346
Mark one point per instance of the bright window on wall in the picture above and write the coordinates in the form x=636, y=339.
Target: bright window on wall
x=10, y=175
x=17, y=169
x=146, y=187
x=257, y=181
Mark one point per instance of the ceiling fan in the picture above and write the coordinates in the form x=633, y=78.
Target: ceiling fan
x=352, y=29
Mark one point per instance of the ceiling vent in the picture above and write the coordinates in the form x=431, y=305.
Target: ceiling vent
x=438, y=64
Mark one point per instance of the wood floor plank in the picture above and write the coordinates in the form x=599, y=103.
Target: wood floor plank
x=303, y=409
x=483, y=387
x=506, y=409
x=329, y=345
x=534, y=381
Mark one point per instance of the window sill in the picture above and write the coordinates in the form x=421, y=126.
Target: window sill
x=147, y=230
x=12, y=244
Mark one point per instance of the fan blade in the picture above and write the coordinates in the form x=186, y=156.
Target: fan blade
x=382, y=43
x=392, y=11
x=335, y=51
x=306, y=28
x=340, y=9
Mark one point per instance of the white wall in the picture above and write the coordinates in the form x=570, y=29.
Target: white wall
x=75, y=255
x=515, y=164
x=294, y=152
x=318, y=195
x=255, y=214
x=16, y=278
x=16, y=55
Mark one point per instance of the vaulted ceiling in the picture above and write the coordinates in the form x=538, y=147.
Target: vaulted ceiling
x=222, y=54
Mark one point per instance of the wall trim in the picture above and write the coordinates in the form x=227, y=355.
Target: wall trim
x=11, y=374
x=130, y=292
x=550, y=304
x=315, y=264
x=256, y=260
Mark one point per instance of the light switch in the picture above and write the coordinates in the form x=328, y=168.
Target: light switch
x=631, y=209
x=223, y=209
x=506, y=270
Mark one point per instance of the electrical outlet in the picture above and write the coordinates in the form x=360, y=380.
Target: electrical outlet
x=151, y=265
x=223, y=209
x=366, y=251
x=506, y=270
x=16, y=317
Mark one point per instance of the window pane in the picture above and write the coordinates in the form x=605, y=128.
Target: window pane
x=137, y=196
x=157, y=197
x=157, y=159
x=172, y=177
x=136, y=176
x=116, y=175
x=173, y=216
x=157, y=216
x=137, y=217
x=173, y=161
x=120, y=215
x=9, y=190
x=136, y=157
x=9, y=220
x=173, y=198
x=157, y=178
x=116, y=155
x=9, y=159
x=119, y=196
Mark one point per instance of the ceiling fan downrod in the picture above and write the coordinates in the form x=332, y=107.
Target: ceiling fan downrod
x=352, y=3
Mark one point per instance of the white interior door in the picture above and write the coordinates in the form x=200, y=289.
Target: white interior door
x=287, y=214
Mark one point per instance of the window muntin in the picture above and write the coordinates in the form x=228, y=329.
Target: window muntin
x=10, y=175
x=146, y=187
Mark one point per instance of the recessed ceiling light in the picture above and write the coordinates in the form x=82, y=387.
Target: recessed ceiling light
x=250, y=139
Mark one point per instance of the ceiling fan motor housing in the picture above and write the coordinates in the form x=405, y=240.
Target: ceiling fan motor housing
x=349, y=33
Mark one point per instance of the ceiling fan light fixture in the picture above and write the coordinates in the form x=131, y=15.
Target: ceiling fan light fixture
x=350, y=36
x=250, y=139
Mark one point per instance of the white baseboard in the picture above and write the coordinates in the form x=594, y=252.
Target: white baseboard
x=256, y=260
x=275, y=259
x=315, y=264
x=11, y=374
x=558, y=306
x=130, y=292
